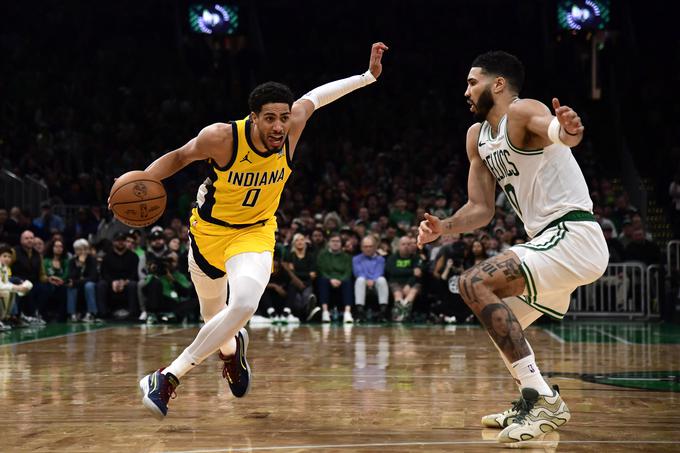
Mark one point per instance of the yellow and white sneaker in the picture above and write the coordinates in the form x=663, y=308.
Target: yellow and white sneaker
x=536, y=415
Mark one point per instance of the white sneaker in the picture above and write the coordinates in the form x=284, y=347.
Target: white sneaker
x=538, y=414
x=88, y=318
x=292, y=319
x=142, y=316
x=73, y=318
x=121, y=313
x=31, y=320
x=450, y=320
x=313, y=313
x=4, y=327
x=507, y=417
x=258, y=320
x=347, y=318
x=326, y=316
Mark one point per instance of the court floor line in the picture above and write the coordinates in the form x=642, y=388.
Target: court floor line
x=425, y=444
x=607, y=334
x=169, y=332
x=553, y=335
x=72, y=334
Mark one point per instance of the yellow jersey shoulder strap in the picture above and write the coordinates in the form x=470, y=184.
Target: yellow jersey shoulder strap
x=234, y=150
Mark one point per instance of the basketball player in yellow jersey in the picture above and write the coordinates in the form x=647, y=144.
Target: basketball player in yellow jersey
x=232, y=228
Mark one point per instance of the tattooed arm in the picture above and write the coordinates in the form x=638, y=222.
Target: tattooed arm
x=480, y=207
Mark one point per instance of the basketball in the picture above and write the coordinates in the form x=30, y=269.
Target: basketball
x=137, y=199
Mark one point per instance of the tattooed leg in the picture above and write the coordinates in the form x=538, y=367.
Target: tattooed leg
x=483, y=288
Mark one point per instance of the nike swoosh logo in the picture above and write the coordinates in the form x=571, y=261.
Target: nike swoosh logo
x=481, y=144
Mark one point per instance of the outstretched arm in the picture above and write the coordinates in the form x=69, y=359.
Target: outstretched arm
x=531, y=123
x=325, y=94
x=480, y=207
x=213, y=142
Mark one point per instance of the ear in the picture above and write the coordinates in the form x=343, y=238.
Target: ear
x=499, y=85
x=253, y=117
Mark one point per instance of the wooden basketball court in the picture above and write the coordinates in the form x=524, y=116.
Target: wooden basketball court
x=336, y=389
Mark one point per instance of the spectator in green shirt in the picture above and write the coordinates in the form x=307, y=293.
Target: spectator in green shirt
x=400, y=217
x=56, y=263
x=335, y=275
x=169, y=292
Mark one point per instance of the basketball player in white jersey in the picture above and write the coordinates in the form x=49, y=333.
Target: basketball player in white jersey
x=520, y=145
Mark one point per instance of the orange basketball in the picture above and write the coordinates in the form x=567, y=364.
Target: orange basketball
x=137, y=199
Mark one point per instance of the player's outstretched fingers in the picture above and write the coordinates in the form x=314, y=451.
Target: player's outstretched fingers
x=556, y=104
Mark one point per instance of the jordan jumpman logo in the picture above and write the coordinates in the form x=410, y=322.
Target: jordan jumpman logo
x=245, y=158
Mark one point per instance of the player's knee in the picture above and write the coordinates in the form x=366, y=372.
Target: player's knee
x=246, y=294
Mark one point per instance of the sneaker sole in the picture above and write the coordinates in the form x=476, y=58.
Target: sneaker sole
x=550, y=425
x=313, y=313
x=246, y=340
x=144, y=388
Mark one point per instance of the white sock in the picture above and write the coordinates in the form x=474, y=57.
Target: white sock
x=229, y=348
x=180, y=366
x=530, y=376
x=185, y=362
x=508, y=365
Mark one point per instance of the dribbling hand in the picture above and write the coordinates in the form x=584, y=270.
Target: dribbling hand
x=429, y=230
x=568, y=118
x=375, y=65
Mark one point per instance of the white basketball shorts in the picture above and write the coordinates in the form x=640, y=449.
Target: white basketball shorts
x=554, y=264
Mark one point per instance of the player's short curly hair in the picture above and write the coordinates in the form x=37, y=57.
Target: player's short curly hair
x=503, y=64
x=267, y=93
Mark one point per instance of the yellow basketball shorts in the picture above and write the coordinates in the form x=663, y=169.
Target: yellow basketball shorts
x=212, y=245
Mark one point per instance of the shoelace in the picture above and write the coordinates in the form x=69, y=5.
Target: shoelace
x=516, y=405
x=523, y=409
x=168, y=390
x=229, y=363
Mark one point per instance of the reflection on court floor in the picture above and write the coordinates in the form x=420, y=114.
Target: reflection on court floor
x=336, y=388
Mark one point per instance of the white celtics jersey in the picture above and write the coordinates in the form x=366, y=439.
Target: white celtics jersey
x=542, y=185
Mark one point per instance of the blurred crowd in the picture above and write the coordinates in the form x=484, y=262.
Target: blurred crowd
x=366, y=169
x=344, y=257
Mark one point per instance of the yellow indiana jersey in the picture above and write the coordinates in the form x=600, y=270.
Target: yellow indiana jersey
x=248, y=188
